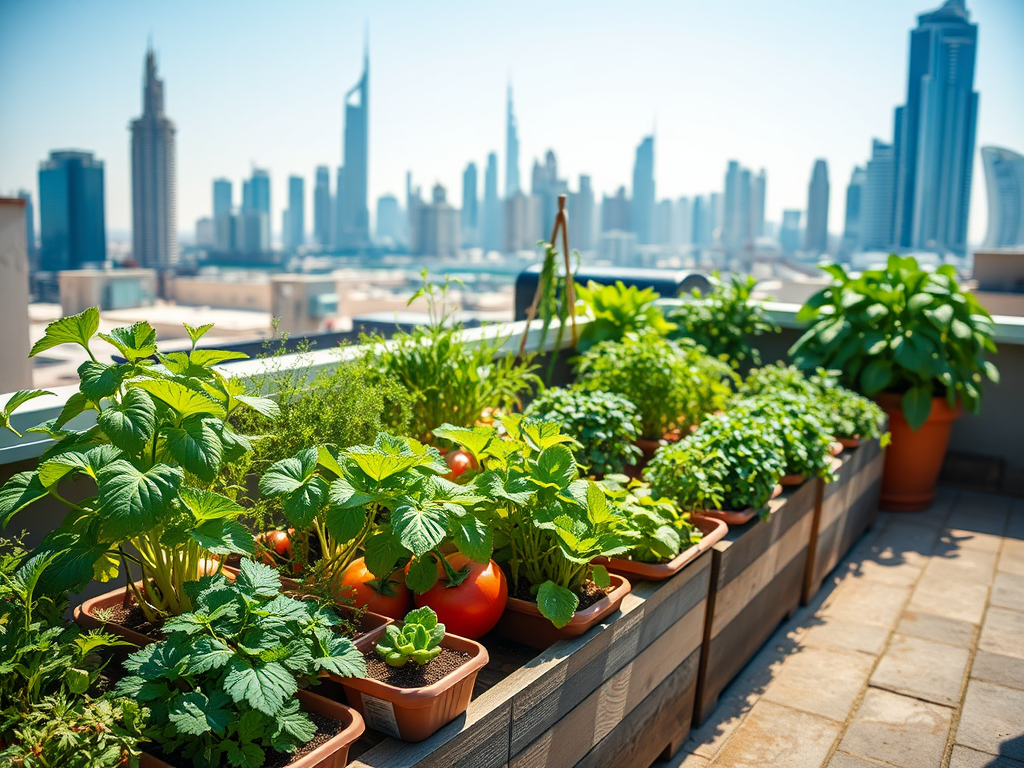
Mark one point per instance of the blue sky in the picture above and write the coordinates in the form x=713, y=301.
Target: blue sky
x=772, y=84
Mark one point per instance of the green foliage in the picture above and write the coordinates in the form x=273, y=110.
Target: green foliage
x=617, y=310
x=731, y=462
x=724, y=320
x=418, y=640
x=604, y=425
x=16, y=400
x=548, y=524
x=673, y=385
x=900, y=329
x=162, y=435
x=450, y=380
x=806, y=439
x=663, y=530
x=221, y=687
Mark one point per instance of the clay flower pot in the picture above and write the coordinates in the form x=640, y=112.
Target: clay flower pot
x=848, y=442
x=836, y=447
x=331, y=754
x=913, y=460
x=793, y=479
x=523, y=622
x=414, y=714
x=737, y=516
x=713, y=531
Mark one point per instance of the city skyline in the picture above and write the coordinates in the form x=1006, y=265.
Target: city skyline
x=688, y=162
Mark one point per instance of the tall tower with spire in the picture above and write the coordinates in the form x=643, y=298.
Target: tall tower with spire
x=353, y=225
x=511, y=151
x=154, y=212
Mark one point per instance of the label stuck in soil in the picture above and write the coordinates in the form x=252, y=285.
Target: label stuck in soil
x=380, y=715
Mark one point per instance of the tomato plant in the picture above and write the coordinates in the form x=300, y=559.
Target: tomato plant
x=388, y=598
x=472, y=608
x=458, y=462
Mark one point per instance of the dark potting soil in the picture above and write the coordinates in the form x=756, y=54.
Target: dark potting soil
x=412, y=675
x=588, y=594
x=132, y=618
x=326, y=729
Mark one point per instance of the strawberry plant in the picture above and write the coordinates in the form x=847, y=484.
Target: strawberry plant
x=418, y=640
x=221, y=687
x=153, y=457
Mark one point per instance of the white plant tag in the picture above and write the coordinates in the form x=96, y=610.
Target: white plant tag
x=380, y=715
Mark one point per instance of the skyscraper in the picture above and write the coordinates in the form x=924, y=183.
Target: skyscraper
x=758, y=190
x=388, y=220
x=789, y=234
x=701, y=221
x=581, y=216
x=852, y=224
x=642, y=214
x=438, y=226
x=548, y=187
x=682, y=222
x=616, y=212
x=353, y=184
x=731, y=229
x=1004, y=182
x=222, y=198
x=72, y=220
x=816, y=236
x=879, y=196
x=470, y=207
x=492, y=213
x=154, y=212
x=255, y=224
x=296, y=229
x=511, y=151
x=30, y=227
x=935, y=132
x=322, y=207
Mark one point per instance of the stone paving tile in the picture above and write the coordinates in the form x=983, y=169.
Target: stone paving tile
x=843, y=760
x=1008, y=591
x=956, y=563
x=821, y=681
x=1011, y=559
x=964, y=601
x=905, y=543
x=968, y=539
x=867, y=602
x=923, y=669
x=968, y=758
x=996, y=668
x=871, y=568
x=992, y=720
x=683, y=759
x=899, y=730
x=937, y=628
x=773, y=736
x=846, y=635
x=1003, y=632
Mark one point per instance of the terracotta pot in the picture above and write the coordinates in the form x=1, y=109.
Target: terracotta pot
x=523, y=622
x=738, y=516
x=331, y=754
x=835, y=447
x=414, y=714
x=914, y=459
x=848, y=442
x=713, y=531
x=793, y=479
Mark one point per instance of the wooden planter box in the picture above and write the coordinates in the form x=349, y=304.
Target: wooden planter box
x=757, y=573
x=622, y=694
x=846, y=508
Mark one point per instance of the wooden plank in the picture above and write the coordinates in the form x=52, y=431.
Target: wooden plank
x=586, y=724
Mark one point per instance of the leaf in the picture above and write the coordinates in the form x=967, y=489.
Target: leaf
x=343, y=494
x=131, y=501
x=876, y=376
x=262, y=405
x=196, y=446
x=224, y=537
x=265, y=687
x=917, y=406
x=344, y=524
x=419, y=529
x=196, y=332
x=130, y=424
x=473, y=439
x=16, y=400
x=422, y=573
x=473, y=538
x=557, y=604
x=75, y=329
x=991, y=371
x=423, y=616
x=18, y=492
x=380, y=465
x=89, y=460
x=382, y=553
x=74, y=562
x=192, y=714
x=600, y=576
x=204, y=358
x=556, y=468
x=137, y=342
x=543, y=434
x=343, y=658
x=97, y=380
x=303, y=492
x=185, y=401
x=258, y=579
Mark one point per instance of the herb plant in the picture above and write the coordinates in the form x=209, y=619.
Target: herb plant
x=806, y=438
x=724, y=320
x=605, y=426
x=900, y=329
x=154, y=454
x=548, y=524
x=418, y=640
x=663, y=531
x=731, y=462
x=852, y=415
x=617, y=310
x=222, y=686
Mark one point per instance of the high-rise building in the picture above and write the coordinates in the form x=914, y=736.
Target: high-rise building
x=470, y=207
x=935, y=132
x=853, y=221
x=732, y=227
x=878, y=199
x=701, y=221
x=682, y=222
x=642, y=214
x=353, y=184
x=154, y=212
x=222, y=198
x=1004, y=182
x=758, y=190
x=716, y=213
x=30, y=228
x=522, y=228
x=295, y=233
x=253, y=235
x=663, y=223
x=789, y=234
x=492, y=213
x=413, y=202
x=548, y=187
x=616, y=212
x=389, y=220
x=438, y=226
x=322, y=207
x=581, y=216
x=511, y=151
x=72, y=220
x=816, y=236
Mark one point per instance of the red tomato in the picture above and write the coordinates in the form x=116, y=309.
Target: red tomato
x=473, y=607
x=275, y=548
x=392, y=600
x=458, y=462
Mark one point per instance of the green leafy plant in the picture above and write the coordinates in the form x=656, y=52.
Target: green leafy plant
x=806, y=439
x=222, y=686
x=450, y=379
x=548, y=524
x=900, y=329
x=662, y=529
x=616, y=310
x=605, y=426
x=673, y=385
x=154, y=456
x=731, y=462
x=418, y=640
x=724, y=320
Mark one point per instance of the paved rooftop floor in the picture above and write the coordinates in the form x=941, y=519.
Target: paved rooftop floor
x=912, y=655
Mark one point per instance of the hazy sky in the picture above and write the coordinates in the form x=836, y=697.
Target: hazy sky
x=771, y=83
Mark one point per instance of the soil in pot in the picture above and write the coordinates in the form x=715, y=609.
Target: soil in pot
x=588, y=594
x=414, y=675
